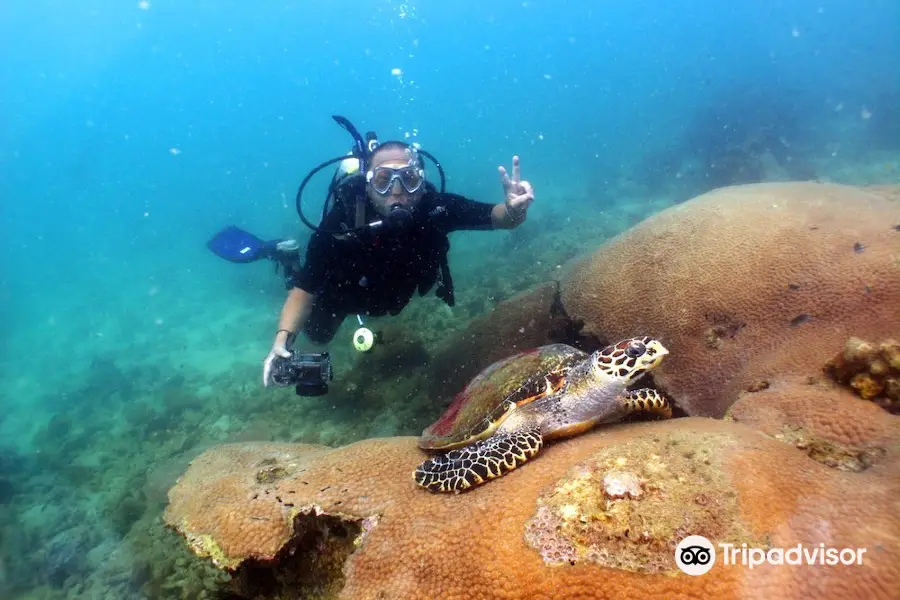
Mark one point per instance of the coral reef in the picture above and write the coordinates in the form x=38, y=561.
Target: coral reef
x=745, y=284
x=81, y=499
x=606, y=506
x=623, y=506
x=823, y=420
x=872, y=371
x=754, y=289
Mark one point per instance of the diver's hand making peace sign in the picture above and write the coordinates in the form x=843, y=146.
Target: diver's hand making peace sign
x=518, y=194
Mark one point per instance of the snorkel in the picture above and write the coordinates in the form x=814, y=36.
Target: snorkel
x=361, y=150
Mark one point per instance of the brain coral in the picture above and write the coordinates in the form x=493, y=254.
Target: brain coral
x=828, y=423
x=595, y=516
x=745, y=285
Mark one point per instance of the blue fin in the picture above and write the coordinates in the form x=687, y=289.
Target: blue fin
x=238, y=246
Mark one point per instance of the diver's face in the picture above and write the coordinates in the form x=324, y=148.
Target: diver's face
x=394, y=158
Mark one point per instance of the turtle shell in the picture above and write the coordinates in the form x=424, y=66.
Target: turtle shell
x=487, y=400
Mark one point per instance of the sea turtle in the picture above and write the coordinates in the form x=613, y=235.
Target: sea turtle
x=505, y=414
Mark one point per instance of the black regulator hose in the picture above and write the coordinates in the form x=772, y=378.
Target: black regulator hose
x=300, y=195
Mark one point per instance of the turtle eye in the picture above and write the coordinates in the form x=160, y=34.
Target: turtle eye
x=635, y=349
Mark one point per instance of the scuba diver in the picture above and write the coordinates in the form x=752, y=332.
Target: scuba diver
x=382, y=237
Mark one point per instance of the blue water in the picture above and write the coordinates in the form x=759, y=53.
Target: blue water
x=133, y=131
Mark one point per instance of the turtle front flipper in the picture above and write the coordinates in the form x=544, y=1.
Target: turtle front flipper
x=480, y=462
x=646, y=400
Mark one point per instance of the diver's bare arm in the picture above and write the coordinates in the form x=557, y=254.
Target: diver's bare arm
x=294, y=313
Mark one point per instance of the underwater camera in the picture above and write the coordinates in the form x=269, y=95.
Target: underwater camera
x=308, y=373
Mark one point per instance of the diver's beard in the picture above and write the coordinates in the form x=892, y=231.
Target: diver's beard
x=390, y=205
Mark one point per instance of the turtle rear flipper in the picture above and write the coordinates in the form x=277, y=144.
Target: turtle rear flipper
x=647, y=400
x=480, y=462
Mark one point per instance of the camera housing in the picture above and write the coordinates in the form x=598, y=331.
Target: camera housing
x=309, y=373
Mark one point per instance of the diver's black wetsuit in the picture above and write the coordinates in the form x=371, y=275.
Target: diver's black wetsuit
x=378, y=274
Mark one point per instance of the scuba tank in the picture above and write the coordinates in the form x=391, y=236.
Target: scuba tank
x=347, y=168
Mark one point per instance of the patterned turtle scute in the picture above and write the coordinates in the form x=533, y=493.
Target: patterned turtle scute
x=489, y=398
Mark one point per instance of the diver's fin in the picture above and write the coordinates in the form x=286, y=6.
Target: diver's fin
x=238, y=246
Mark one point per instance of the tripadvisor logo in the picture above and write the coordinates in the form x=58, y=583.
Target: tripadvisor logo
x=696, y=555
x=795, y=555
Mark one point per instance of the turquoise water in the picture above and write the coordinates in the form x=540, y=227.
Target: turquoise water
x=134, y=131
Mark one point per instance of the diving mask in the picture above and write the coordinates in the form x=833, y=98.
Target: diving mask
x=411, y=177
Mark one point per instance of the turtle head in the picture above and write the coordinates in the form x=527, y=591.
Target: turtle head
x=628, y=360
